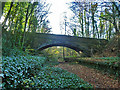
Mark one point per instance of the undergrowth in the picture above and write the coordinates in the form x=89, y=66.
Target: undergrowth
x=31, y=72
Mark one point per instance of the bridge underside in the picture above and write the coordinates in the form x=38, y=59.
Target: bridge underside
x=86, y=52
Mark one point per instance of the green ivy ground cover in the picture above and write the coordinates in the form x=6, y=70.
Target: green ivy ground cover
x=29, y=72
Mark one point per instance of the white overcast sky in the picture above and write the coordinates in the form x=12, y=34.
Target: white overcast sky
x=58, y=8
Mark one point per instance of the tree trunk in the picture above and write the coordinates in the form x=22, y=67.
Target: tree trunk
x=82, y=27
x=93, y=25
x=16, y=8
x=3, y=5
x=25, y=26
x=8, y=14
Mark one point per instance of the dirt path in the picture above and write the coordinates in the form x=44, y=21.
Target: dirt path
x=92, y=76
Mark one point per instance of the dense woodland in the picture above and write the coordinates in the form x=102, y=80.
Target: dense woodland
x=23, y=68
x=97, y=20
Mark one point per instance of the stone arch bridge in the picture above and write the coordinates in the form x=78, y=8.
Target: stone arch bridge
x=40, y=41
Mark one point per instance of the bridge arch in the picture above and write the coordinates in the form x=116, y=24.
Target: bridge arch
x=68, y=45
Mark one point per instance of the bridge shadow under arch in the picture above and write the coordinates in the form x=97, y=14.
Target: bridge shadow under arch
x=61, y=44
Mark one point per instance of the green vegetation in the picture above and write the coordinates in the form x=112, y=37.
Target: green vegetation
x=22, y=69
x=94, y=19
x=20, y=18
x=108, y=58
x=30, y=72
x=105, y=64
x=57, y=52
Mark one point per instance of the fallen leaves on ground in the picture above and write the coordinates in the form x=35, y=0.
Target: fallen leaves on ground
x=92, y=76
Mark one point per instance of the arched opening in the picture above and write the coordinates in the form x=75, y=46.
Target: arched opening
x=56, y=52
x=78, y=49
x=68, y=45
x=59, y=52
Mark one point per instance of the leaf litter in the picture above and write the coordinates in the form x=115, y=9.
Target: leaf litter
x=90, y=75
